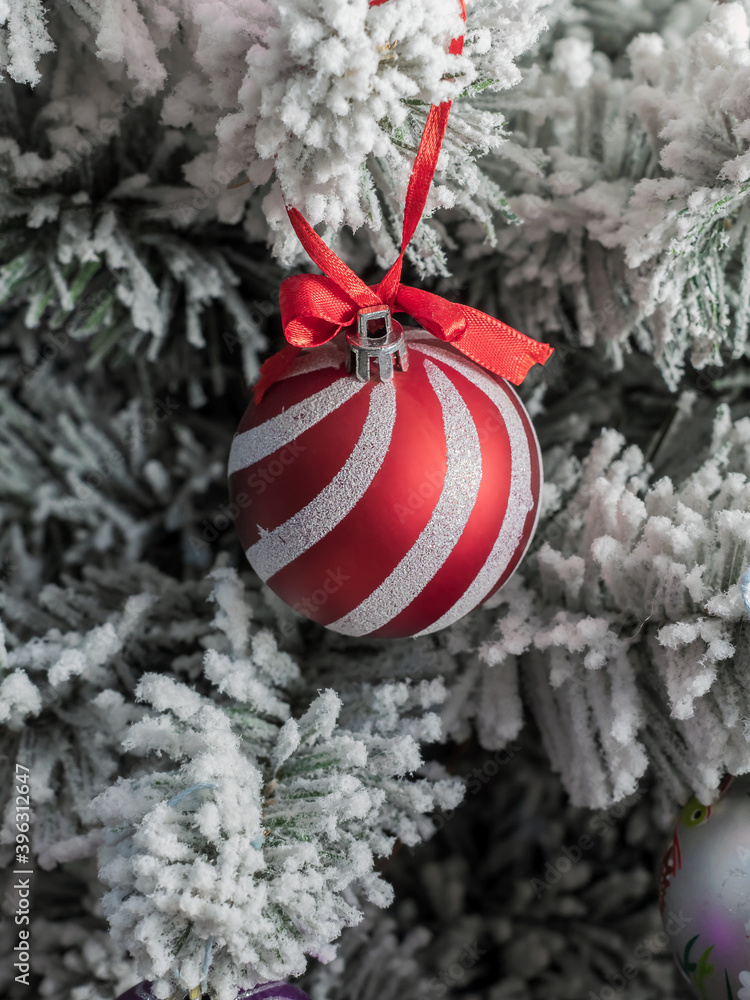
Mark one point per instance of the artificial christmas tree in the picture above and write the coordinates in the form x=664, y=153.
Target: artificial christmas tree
x=218, y=792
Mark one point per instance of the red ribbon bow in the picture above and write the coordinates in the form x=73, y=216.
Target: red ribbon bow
x=316, y=307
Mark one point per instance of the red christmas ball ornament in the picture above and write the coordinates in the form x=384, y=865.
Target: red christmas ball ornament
x=385, y=503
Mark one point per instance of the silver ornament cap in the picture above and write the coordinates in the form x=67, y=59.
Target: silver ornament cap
x=376, y=352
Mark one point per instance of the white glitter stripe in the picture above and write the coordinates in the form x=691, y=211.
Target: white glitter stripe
x=279, y=547
x=520, y=497
x=327, y=356
x=447, y=522
x=259, y=442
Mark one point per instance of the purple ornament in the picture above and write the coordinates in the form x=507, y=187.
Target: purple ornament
x=704, y=894
x=268, y=991
x=273, y=991
x=141, y=991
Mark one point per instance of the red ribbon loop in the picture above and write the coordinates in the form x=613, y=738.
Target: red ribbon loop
x=316, y=307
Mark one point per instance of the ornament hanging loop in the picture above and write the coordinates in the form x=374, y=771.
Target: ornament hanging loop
x=383, y=348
